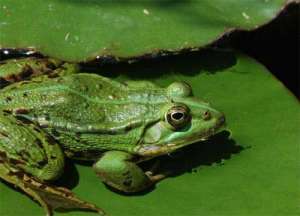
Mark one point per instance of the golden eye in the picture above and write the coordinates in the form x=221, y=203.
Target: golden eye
x=178, y=116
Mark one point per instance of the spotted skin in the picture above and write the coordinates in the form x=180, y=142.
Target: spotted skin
x=31, y=173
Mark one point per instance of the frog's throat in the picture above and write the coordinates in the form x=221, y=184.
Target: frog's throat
x=152, y=150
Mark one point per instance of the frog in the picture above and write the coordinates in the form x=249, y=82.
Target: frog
x=51, y=110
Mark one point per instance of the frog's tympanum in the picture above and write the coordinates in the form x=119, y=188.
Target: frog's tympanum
x=50, y=110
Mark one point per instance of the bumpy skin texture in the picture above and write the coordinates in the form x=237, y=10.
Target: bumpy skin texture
x=52, y=110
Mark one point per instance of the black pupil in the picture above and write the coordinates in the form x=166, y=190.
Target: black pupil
x=177, y=116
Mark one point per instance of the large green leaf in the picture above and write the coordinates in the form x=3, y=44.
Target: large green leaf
x=78, y=30
x=253, y=172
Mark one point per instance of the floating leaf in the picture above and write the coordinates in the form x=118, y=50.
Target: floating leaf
x=78, y=30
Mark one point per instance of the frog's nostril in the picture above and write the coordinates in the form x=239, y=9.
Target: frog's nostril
x=222, y=120
x=206, y=115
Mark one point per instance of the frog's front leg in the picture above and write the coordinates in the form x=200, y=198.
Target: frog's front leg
x=29, y=158
x=117, y=169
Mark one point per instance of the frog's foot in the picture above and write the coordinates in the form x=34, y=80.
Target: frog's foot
x=49, y=197
x=117, y=169
x=153, y=175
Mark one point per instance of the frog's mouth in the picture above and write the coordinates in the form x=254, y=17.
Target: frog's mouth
x=154, y=149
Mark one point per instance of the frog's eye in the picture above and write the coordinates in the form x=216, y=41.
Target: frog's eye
x=178, y=116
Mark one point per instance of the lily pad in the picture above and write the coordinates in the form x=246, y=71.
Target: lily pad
x=79, y=30
x=254, y=171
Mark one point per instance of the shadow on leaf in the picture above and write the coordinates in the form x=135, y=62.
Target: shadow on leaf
x=192, y=63
x=214, y=151
x=70, y=176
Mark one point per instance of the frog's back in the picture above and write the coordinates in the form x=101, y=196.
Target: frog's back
x=47, y=90
x=81, y=100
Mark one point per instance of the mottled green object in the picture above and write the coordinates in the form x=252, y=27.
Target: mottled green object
x=252, y=172
x=78, y=30
x=48, y=109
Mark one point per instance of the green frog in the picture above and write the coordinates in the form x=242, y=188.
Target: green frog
x=50, y=110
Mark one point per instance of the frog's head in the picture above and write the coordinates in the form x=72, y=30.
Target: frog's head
x=184, y=120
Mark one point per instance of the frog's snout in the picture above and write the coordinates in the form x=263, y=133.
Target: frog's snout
x=215, y=116
x=208, y=114
x=221, y=122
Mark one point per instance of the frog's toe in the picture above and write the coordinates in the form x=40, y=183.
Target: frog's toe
x=51, y=197
x=154, y=173
x=157, y=177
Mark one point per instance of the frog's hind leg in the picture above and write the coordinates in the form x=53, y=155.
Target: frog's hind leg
x=16, y=178
x=16, y=70
x=29, y=158
x=49, y=197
